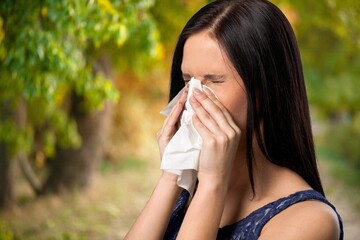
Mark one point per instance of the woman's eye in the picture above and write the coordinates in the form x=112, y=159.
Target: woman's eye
x=215, y=82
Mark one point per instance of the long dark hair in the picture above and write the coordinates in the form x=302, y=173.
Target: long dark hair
x=261, y=44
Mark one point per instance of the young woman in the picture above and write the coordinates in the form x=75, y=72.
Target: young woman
x=257, y=176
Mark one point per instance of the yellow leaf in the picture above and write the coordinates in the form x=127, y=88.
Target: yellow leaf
x=107, y=6
x=44, y=11
x=158, y=52
x=123, y=35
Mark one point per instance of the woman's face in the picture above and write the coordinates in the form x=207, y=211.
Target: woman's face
x=203, y=59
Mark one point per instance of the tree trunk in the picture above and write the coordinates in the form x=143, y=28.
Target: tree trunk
x=7, y=162
x=74, y=168
x=7, y=198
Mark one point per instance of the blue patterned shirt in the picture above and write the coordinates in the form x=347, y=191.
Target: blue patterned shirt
x=250, y=227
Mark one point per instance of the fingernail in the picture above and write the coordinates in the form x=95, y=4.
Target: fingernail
x=207, y=91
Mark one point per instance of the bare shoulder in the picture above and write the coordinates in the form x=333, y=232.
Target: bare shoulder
x=305, y=220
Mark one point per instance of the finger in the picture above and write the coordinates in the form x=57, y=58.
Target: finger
x=204, y=116
x=180, y=103
x=226, y=113
x=171, y=122
x=203, y=131
x=213, y=98
x=214, y=111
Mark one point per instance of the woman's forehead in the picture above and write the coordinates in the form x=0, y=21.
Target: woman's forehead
x=203, y=54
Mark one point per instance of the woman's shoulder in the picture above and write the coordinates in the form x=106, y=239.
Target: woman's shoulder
x=310, y=219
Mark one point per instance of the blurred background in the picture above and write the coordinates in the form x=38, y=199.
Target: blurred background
x=81, y=87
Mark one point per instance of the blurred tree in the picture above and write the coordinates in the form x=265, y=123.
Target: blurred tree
x=56, y=68
x=169, y=25
x=328, y=33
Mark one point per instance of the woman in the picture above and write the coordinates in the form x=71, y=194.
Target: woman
x=257, y=176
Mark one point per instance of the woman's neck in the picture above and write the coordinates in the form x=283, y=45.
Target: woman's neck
x=267, y=176
x=271, y=182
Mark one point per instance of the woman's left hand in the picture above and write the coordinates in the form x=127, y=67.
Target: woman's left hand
x=170, y=125
x=220, y=136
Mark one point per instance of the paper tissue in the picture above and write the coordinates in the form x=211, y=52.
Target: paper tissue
x=181, y=155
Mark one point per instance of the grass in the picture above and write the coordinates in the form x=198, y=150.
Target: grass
x=127, y=163
x=105, y=211
x=119, y=192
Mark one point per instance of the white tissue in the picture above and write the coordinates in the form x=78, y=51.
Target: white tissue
x=181, y=155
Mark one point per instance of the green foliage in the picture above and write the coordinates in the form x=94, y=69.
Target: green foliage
x=335, y=95
x=342, y=170
x=328, y=34
x=344, y=138
x=145, y=38
x=50, y=49
x=14, y=137
x=173, y=17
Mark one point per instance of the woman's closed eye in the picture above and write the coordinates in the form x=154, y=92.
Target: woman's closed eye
x=208, y=79
x=205, y=83
x=213, y=82
x=213, y=79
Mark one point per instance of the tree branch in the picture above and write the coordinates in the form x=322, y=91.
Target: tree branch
x=29, y=173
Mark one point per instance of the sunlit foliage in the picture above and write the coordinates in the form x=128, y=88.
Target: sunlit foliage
x=48, y=49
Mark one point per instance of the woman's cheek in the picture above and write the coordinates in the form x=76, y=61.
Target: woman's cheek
x=237, y=107
x=239, y=115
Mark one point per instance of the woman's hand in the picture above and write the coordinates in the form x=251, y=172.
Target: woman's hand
x=154, y=219
x=170, y=125
x=220, y=137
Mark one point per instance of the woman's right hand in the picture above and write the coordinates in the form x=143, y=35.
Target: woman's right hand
x=154, y=218
x=170, y=125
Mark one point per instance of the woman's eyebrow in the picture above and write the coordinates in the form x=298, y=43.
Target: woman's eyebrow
x=213, y=77
x=186, y=76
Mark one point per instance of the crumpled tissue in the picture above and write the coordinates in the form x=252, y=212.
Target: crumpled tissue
x=181, y=155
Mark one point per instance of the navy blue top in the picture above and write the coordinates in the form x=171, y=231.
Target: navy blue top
x=251, y=226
